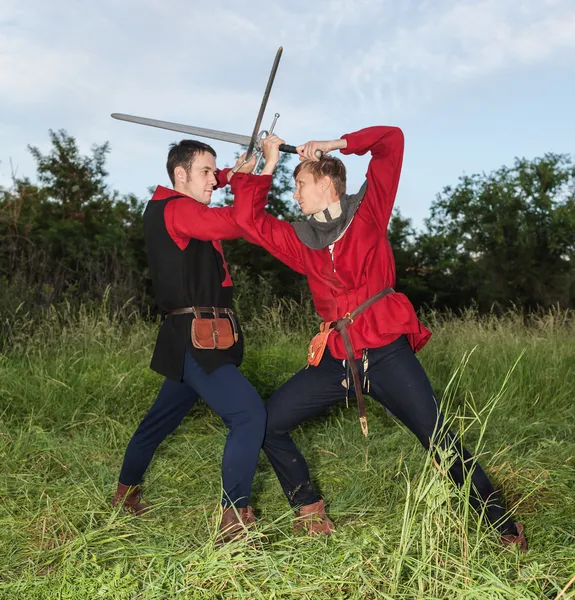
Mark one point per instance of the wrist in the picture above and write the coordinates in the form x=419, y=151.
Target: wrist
x=339, y=144
x=269, y=168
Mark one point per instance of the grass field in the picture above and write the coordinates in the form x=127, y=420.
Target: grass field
x=74, y=387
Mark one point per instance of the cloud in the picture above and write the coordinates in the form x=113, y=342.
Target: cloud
x=30, y=74
x=336, y=51
x=346, y=64
x=447, y=43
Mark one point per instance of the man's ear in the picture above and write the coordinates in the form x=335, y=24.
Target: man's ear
x=180, y=174
x=325, y=182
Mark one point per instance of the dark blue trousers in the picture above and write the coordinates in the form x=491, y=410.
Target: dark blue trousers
x=399, y=382
x=228, y=393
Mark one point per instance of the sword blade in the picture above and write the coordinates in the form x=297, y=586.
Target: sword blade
x=263, y=105
x=214, y=134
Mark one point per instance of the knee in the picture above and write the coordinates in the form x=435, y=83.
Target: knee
x=259, y=418
x=252, y=417
x=277, y=423
x=271, y=428
x=448, y=447
x=433, y=435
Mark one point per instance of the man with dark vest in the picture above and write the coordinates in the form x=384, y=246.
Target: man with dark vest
x=368, y=327
x=200, y=343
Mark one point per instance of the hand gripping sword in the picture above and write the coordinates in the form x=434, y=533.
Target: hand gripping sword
x=253, y=142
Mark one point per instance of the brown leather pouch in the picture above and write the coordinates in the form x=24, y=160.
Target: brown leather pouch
x=318, y=343
x=214, y=333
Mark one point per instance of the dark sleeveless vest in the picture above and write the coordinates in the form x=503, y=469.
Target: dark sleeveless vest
x=181, y=278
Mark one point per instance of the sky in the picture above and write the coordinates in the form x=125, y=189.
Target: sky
x=472, y=83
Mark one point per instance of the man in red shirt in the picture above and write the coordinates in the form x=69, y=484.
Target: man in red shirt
x=371, y=329
x=191, y=280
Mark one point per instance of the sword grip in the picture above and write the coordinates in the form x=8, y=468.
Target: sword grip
x=292, y=150
x=288, y=148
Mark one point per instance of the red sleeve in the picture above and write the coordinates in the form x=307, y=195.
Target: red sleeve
x=276, y=236
x=187, y=218
x=222, y=178
x=386, y=146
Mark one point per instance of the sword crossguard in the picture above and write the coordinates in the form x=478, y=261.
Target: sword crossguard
x=262, y=135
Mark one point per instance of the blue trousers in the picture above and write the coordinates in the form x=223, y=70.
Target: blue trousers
x=398, y=381
x=228, y=393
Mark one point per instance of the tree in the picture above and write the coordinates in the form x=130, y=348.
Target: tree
x=402, y=236
x=509, y=236
x=68, y=236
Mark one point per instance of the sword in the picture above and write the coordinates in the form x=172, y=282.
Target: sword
x=264, y=104
x=213, y=134
x=253, y=142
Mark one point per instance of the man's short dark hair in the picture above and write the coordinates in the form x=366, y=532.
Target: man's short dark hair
x=329, y=166
x=183, y=154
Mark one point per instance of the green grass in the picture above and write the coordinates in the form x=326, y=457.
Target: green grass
x=73, y=387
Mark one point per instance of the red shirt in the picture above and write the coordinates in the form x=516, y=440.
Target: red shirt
x=186, y=218
x=362, y=263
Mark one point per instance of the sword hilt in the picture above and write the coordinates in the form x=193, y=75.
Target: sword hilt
x=263, y=135
x=293, y=150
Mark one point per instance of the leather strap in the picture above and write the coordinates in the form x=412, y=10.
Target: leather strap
x=372, y=300
x=341, y=327
x=200, y=309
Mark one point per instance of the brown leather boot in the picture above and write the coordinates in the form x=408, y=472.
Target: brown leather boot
x=130, y=496
x=234, y=523
x=313, y=520
x=247, y=516
x=509, y=539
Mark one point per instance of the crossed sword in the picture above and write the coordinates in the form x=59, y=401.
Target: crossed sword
x=253, y=142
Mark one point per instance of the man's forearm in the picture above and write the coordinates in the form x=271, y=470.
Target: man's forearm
x=327, y=146
x=269, y=168
x=339, y=144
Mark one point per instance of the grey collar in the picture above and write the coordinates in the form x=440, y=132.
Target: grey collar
x=325, y=227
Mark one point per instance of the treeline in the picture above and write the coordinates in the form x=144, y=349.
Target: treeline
x=495, y=240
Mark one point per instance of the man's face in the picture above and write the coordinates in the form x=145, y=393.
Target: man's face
x=310, y=194
x=200, y=179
